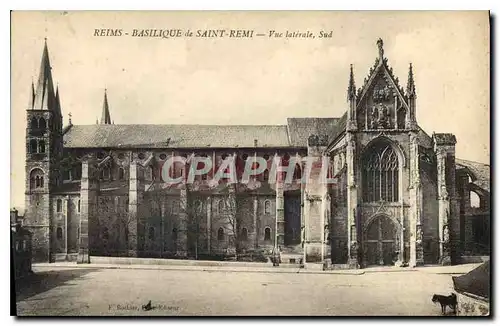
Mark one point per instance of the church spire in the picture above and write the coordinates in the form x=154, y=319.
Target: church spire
x=32, y=96
x=410, y=87
x=351, y=90
x=351, y=98
x=44, y=95
x=58, y=101
x=105, y=118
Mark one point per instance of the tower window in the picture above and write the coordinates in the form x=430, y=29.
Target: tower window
x=267, y=234
x=59, y=233
x=36, y=179
x=33, y=146
x=34, y=123
x=59, y=205
x=220, y=234
x=41, y=146
x=42, y=124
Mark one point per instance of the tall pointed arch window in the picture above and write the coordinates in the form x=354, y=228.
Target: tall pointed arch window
x=380, y=173
x=42, y=124
x=33, y=146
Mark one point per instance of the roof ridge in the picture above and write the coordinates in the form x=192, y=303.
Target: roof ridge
x=464, y=160
x=175, y=124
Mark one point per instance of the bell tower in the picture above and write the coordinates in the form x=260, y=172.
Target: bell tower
x=43, y=154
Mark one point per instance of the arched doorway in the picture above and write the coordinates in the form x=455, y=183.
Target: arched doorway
x=381, y=241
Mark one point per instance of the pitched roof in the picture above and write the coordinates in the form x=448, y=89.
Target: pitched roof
x=339, y=128
x=299, y=129
x=175, y=136
x=479, y=170
x=476, y=282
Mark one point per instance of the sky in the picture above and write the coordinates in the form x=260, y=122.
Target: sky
x=259, y=80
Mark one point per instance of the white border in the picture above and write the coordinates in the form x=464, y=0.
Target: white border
x=183, y=5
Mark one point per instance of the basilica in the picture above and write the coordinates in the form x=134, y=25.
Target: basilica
x=400, y=196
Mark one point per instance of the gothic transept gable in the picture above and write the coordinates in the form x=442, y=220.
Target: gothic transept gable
x=381, y=103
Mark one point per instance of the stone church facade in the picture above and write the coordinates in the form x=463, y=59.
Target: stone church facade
x=400, y=195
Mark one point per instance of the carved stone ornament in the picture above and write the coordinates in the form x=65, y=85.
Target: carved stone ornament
x=354, y=249
x=446, y=234
x=382, y=94
x=380, y=117
x=419, y=234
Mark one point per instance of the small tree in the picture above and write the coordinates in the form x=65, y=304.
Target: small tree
x=230, y=221
x=195, y=223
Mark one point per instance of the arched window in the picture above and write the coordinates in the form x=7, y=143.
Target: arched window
x=475, y=200
x=174, y=234
x=380, y=174
x=36, y=178
x=41, y=146
x=220, y=234
x=78, y=206
x=59, y=233
x=267, y=234
x=244, y=234
x=265, y=175
x=42, y=124
x=297, y=173
x=33, y=146
x=150, y=175
x=220, y=206
x=152, y=233
x=59, y=205
x=34, y=123
x=267, y=207
x=121, y=174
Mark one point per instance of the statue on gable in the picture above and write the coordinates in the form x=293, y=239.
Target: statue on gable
x=373, y=118
x=383, y=117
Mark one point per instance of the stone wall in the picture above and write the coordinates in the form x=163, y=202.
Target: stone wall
x=469, y=305
x=430, y=219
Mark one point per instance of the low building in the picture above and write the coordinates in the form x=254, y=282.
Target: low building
x=20, y=247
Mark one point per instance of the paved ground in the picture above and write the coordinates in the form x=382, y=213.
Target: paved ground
x=93, y=291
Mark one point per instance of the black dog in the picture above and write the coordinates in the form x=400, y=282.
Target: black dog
x=444, y=301
x=147, y=307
